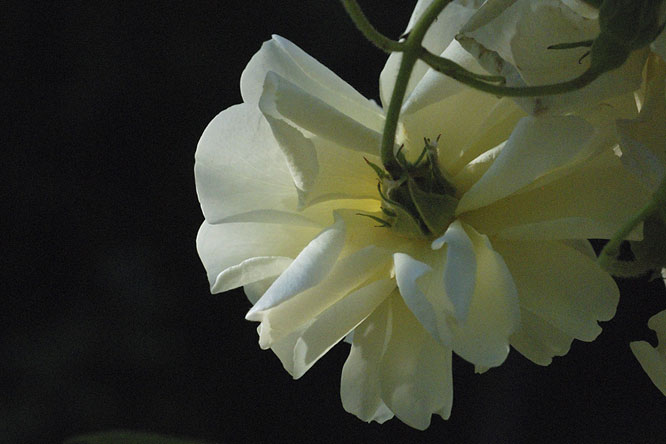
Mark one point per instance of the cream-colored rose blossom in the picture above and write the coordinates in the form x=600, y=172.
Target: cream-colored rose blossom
x=653, y=359
x=286, y=191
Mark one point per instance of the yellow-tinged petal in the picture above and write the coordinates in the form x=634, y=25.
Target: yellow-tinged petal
x=434, y=86
x=245, y=252
x=469, y=123
x=302, y=349
x=591, y=202
x=415, y=370
x=343, y=174
x=536, y=148
x=653, y=359
x=561, y=285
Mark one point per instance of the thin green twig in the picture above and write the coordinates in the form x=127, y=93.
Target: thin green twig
x=457, y=72
x=370, y=32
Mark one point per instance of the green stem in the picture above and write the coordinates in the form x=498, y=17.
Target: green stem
x=411, y=53
x=476, y=81
x=612, y=248
x=370, y=32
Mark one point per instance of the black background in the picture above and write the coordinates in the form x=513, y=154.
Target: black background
x=108, y=321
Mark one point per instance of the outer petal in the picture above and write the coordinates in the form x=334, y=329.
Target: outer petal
x=591, y=202
x=348, y=274
x=561, y=286
x=360, y=387
x=300, y=350
x=236, y=254
x=653, y=360
x=289, y=61
x=309, y=268
x=483, y=336
x=538, y=340
x=230, y=169
x=536, y=148
x=415, y=371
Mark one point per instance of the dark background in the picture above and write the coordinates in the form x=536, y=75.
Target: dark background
x=107, y=321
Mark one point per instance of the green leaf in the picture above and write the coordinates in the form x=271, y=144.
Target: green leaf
x=129, y=437
x=436, y=210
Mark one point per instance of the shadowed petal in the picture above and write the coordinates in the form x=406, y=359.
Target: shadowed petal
x=653, y=360
x=483, y=336
x=561, y=285
x=415, y=371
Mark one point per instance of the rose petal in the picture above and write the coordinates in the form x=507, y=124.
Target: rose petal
x=292, y=63
x=283, y=98
x=482, y=338
x=415, y=371
x=460, y=270
x=301, y=309
x=306, y=347
x=594, y=201
x=407, y=271
x=309, y=268
x=359, y=387
x=246, y=252
x=561, y=285
x=230, y=171
x=653, y=360
x=537, y=147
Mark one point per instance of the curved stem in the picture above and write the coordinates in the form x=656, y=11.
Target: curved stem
x=363, y=24
x=457, y=72
x=411, y=53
